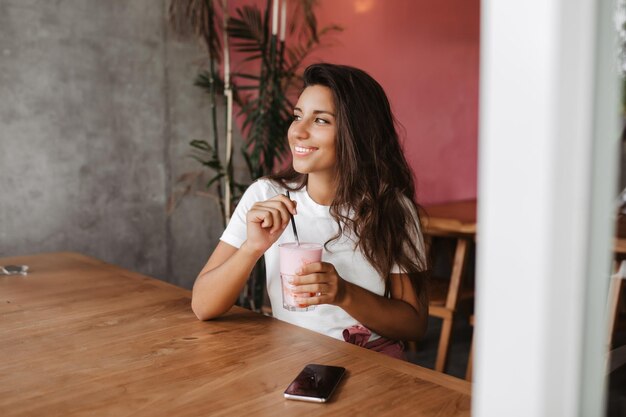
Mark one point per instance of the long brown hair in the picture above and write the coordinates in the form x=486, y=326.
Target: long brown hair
x=375, y=197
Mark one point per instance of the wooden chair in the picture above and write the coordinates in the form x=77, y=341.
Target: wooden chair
x=456, y=221
x=446, y=296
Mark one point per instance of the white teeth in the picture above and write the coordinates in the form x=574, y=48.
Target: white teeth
x=300, y=149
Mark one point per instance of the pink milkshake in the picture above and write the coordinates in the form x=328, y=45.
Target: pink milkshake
x=292, y=257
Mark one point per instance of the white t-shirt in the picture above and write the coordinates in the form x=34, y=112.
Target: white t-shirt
x=317, y=226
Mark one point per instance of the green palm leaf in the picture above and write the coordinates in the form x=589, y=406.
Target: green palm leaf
x=246, y=30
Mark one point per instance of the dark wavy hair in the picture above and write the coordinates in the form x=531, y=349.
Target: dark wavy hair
x=375, y=198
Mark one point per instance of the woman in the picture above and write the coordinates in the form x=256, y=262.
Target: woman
x=350, y=188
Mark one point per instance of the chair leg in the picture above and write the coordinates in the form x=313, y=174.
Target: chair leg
x=470, y=359
x=456, y=282
x=468, y=372
x=457, y=274
x=444, y=345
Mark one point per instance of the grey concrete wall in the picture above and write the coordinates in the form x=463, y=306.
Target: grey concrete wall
x=196, y=224
x=97, y=108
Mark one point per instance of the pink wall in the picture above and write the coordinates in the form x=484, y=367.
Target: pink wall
x=425, y=55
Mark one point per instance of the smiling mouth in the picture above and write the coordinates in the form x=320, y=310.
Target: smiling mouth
x=302, y=150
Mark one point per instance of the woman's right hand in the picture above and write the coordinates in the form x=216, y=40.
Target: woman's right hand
x=266, y=220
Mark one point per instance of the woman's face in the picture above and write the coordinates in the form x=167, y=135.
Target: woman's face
x=313, y=132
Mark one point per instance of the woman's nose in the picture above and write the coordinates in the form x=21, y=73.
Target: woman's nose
x=298, y=130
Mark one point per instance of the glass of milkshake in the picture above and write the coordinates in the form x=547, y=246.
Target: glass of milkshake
x=292, y=257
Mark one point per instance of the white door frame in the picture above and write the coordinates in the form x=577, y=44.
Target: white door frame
x=548, y=152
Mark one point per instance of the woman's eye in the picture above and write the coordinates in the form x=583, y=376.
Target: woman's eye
x=297, y=117
x=321, y=121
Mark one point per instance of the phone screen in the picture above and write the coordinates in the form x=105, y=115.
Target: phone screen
x=315, y=383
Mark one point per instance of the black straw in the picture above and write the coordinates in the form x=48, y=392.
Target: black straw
x=293, y=223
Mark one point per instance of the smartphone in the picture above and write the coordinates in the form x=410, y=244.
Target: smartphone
x=315, y=383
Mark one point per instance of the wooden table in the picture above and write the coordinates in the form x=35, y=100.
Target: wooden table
x=80, y=337
x=457, y=218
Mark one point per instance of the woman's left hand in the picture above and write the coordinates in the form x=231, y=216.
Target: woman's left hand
x=322, y=282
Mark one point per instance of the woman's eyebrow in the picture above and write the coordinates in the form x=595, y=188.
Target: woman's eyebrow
x=315, y=111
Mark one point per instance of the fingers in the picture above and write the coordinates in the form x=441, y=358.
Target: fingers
x=312, y=299
x=289, y=204
x=315, y=293
x=275, y=218
x=315, y=299
x=314, y=273
x=315, y=267
x=309, y=279
x=317, y=288
x=268, y=219
x=271, y=214
x=317, y=283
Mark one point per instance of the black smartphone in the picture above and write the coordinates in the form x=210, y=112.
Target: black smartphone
x=315, y=383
